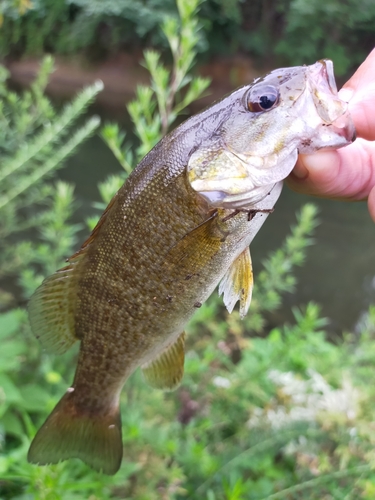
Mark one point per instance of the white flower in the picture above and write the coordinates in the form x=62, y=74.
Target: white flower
x=222, y=382
x=307, y=399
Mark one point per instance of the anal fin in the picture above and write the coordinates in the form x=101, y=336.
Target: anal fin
x=237, y=283
x=166, y=370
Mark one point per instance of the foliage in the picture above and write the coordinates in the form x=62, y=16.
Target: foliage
x=34, y=142
x=65, y=26
x=350, y=25
x=156, y=107
x=275, y=32
x=283, y=415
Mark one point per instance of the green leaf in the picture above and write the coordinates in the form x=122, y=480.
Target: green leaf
x=10, y=322
x=12, y=424
x=34, y=398
x=9, y=393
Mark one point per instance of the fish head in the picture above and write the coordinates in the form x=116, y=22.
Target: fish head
x=289, y=111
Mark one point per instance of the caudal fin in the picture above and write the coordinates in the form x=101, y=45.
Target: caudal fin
x=69, y=433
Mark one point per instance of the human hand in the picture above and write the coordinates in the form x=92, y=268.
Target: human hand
x=348, y=173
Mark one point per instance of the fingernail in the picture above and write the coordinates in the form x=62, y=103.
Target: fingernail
x=346, y=94
x=300, y=171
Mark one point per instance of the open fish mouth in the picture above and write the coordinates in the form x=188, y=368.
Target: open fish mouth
x=337, y=128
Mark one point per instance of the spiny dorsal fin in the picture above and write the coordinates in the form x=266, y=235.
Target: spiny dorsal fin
x=166, y=370
x=51, y=310
x=237, y=283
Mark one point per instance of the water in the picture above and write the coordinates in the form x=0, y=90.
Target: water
x=339, y=272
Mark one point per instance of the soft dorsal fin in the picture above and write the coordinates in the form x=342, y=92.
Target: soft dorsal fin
x=166, y=370
x=237, y=283
x=52, y=307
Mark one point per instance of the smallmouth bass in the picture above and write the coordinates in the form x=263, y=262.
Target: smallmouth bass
x=180, y=225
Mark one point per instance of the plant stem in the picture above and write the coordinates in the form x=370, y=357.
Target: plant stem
x=360, y=469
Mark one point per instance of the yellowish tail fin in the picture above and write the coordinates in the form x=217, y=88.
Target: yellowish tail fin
x=70, y=433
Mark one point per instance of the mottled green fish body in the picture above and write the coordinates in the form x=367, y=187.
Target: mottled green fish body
x=181, y=224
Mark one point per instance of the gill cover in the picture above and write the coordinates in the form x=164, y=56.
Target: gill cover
x=290, y=110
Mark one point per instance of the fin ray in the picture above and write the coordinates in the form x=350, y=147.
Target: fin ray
x=68, y=433
x=94, y=233
x=167, y=369
x=237, y=283
x=196, y=247
x=51, y=310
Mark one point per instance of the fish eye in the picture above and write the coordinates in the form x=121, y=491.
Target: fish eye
x=262, y=98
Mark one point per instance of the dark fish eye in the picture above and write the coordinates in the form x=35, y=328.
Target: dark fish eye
x=262, y=98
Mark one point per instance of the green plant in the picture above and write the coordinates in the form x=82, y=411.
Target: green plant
x=34, y=141
x=156, y=107
x=284, y=415
x=272, y=32
x=66, y=26
x=350, y=24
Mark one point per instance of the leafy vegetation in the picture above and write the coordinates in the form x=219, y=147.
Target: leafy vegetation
x=275, y=32
x=34, y=141
x=262, y=413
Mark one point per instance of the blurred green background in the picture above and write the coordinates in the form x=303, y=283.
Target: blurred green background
x=278, y=406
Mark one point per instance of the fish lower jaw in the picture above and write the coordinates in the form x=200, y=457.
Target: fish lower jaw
x=245, y=193
x=247, y=200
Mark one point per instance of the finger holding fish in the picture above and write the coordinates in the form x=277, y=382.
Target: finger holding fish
x=347, y=174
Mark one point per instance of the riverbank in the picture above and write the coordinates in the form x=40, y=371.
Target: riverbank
x=123, y=72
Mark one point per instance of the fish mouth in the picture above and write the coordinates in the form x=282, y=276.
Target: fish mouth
x=337, y=129
x=327, y=73
x=324, y=91
x=330, y=136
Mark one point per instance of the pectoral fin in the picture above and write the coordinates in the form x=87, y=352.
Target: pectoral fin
x=166, y=370
x=237, y=283
x=196, y=248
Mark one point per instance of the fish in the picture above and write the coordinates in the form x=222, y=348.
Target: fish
x=180, y=226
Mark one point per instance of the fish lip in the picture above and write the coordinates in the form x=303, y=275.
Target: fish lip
x=332, y=110
x=322, y=73
x=327, y=73
x=331, y=136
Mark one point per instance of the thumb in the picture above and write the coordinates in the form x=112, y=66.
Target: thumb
x=359, y=90
x=346, y=174
x=315, y=174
